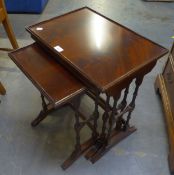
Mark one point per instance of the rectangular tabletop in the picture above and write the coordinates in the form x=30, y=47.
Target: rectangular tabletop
x=51, y=79
x=100, y=50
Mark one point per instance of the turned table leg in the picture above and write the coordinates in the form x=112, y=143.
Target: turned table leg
x=118, y=127
x=47, y=108
x=112, y=117
x=79, y=148
x=138, y=82
x=105, y=117
x=97, y=151
x=95, y=117
x=96, y=142
x=120, y=120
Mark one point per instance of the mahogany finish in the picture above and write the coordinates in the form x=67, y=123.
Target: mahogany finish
x=106, y=56
x=102, y=51
x=58, y=86
x=52, y=80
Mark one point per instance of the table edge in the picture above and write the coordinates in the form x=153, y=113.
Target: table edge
x=37, y=85
x=65, y=60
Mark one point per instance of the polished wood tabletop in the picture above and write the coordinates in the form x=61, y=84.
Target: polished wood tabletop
x=100, y=50
x=51, y=79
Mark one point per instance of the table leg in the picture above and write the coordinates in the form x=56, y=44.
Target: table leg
x=79, y=149
x=120, y=120
x=97, y=142
x=112, y=117
x=49, y=108
x=122, y=129
x=105, y=117
x=101, y=142
x=83, y=117
x=138, y=82
x=101, y=101
x=116, y=137
x=43, y=113
x=106, y=144
x=95, y=117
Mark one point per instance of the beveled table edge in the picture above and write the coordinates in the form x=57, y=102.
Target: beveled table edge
x=65, y=60
x=63, y=100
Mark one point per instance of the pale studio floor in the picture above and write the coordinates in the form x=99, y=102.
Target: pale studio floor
x=27, y=151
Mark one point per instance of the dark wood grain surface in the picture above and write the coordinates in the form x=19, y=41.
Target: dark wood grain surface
x=105, y=55
x=48, y=76
x=101, y=50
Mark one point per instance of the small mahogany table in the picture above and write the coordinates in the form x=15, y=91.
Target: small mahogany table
x=106, y=57
x=57, y=87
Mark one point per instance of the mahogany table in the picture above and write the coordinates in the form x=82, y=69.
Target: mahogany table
x=58, y=88
x=106, y=57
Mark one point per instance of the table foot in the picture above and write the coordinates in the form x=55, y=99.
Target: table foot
x=77, y=153
x=42, y=115
x=96, y=152
x=93, y=150
x=46, y=109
